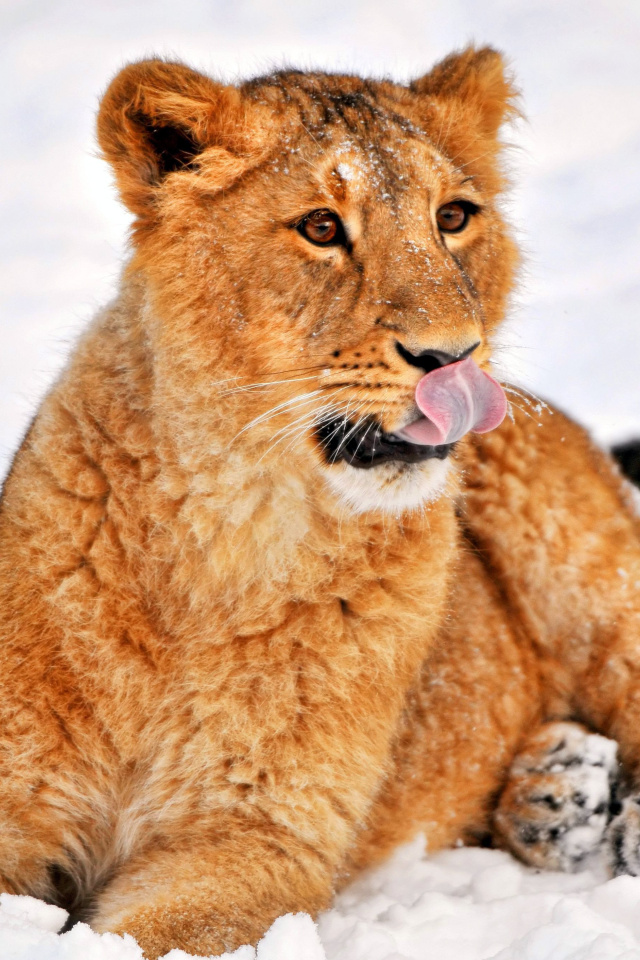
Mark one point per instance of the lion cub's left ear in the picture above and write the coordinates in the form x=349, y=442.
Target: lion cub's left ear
x=158, y=117
x=475, y=79
x=467, y=97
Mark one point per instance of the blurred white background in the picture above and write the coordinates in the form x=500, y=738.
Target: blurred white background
x=574, y=336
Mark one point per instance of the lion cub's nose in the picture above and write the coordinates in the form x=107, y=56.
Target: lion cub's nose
x=429, y=360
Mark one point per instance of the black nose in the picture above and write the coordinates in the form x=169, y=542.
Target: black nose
x=429, y=360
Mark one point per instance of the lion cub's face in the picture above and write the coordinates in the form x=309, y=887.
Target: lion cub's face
x=312, y=245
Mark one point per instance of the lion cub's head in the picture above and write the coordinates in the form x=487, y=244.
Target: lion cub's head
x=309, y=246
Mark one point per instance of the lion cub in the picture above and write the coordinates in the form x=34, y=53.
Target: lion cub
x=277, y=590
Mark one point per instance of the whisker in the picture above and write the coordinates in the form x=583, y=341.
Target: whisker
x=326, y=407
x=292, y=402
x=364, y=436
x=335, y=411
x=523, y=410
x=258, y=386
x=297, y=430
x=520, y=390
x=480, y=156
x=295, y=433
x=353, y=429
x=345, y=416
x=443, y=138
x=299, y=426
x=273, y=373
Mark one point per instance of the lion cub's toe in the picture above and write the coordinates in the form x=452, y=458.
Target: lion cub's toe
x=555, y=807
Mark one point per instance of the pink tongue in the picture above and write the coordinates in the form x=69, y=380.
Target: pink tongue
x=455, y=399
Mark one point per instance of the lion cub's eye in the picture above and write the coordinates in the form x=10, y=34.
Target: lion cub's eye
x=323, y=228
x=453, y=217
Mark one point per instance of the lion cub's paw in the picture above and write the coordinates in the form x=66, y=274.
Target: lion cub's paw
x=556, y=804
x=623, y=838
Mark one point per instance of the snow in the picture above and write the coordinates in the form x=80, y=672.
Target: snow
x=574, y=338
x=464, y=904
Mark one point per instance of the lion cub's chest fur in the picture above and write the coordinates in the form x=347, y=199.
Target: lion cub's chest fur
x=231, y=634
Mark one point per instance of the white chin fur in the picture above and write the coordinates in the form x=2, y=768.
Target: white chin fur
x=390, y=487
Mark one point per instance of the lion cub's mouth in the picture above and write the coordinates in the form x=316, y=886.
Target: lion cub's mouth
x=365, y=444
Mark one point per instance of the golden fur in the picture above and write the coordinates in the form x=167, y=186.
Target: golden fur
x=232, y=673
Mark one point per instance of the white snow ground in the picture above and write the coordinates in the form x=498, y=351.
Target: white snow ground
x=574, y=338
x=466, y=904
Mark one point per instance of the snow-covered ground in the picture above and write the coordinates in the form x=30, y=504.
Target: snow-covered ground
x=467, y=904
x=574, y=338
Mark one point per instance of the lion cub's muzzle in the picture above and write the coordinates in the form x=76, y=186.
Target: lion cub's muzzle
x=453, y=397
x=365, y=444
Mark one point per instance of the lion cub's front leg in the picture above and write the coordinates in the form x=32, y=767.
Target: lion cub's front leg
x=211, y=896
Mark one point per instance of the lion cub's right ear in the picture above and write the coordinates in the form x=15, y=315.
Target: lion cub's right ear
x=158, y=117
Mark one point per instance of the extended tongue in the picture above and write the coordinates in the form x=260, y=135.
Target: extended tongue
x=455, y=399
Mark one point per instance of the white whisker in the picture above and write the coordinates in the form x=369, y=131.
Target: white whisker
x=262, y=386
x=269, y=414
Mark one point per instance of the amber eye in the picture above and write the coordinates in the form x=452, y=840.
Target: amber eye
x=453, y=217
x=322, y=227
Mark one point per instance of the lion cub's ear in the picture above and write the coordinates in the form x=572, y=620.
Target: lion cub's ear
x=158, y=117
x=467, y=97
x=476, y=79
